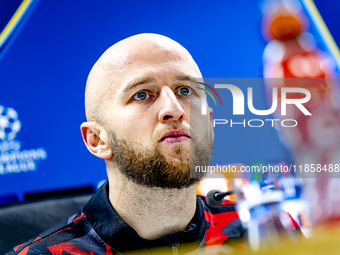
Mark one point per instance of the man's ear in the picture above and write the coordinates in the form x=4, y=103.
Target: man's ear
x=95, y=139
x=211, y=122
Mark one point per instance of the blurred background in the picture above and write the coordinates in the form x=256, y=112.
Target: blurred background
x=47, y=49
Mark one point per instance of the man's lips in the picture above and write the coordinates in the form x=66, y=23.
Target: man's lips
x=175, y=136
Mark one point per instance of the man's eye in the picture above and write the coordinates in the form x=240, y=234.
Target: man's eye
x=141, y=95
x=185, y=91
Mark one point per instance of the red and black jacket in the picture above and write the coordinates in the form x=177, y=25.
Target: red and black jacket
x=98, y=229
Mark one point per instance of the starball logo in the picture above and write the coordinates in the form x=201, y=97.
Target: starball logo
x=14, y=159
x=238, y=105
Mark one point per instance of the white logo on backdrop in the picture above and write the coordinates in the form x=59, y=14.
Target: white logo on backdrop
x=12, y=158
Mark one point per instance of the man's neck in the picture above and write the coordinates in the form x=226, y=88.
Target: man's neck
x=151, y=212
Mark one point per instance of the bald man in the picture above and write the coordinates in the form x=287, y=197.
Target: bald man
x=143, y=110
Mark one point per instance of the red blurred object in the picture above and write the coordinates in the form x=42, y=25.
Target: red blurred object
x=285, y=28
x=291, y=55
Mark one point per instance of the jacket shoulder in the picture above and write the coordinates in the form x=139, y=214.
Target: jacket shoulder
x=62, y=232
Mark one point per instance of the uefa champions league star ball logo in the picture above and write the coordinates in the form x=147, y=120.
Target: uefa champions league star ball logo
x=9, y=123
x=14, y=160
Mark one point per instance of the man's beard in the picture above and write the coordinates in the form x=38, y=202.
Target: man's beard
x=150, y=168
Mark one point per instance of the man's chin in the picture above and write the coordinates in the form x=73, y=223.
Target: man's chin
x=178, y=150
x=163, y=166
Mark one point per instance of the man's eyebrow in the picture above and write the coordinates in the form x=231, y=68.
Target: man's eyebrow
x=138, y=82
x=194, y=81
x=183, y=77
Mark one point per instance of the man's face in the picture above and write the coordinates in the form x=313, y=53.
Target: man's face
x=156, y=130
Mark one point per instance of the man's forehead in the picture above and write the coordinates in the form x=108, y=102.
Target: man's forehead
x=140, y=62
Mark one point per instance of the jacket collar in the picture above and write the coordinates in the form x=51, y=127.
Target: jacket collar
x=115, y=232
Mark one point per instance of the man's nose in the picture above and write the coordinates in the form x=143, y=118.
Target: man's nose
x=170, y=108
